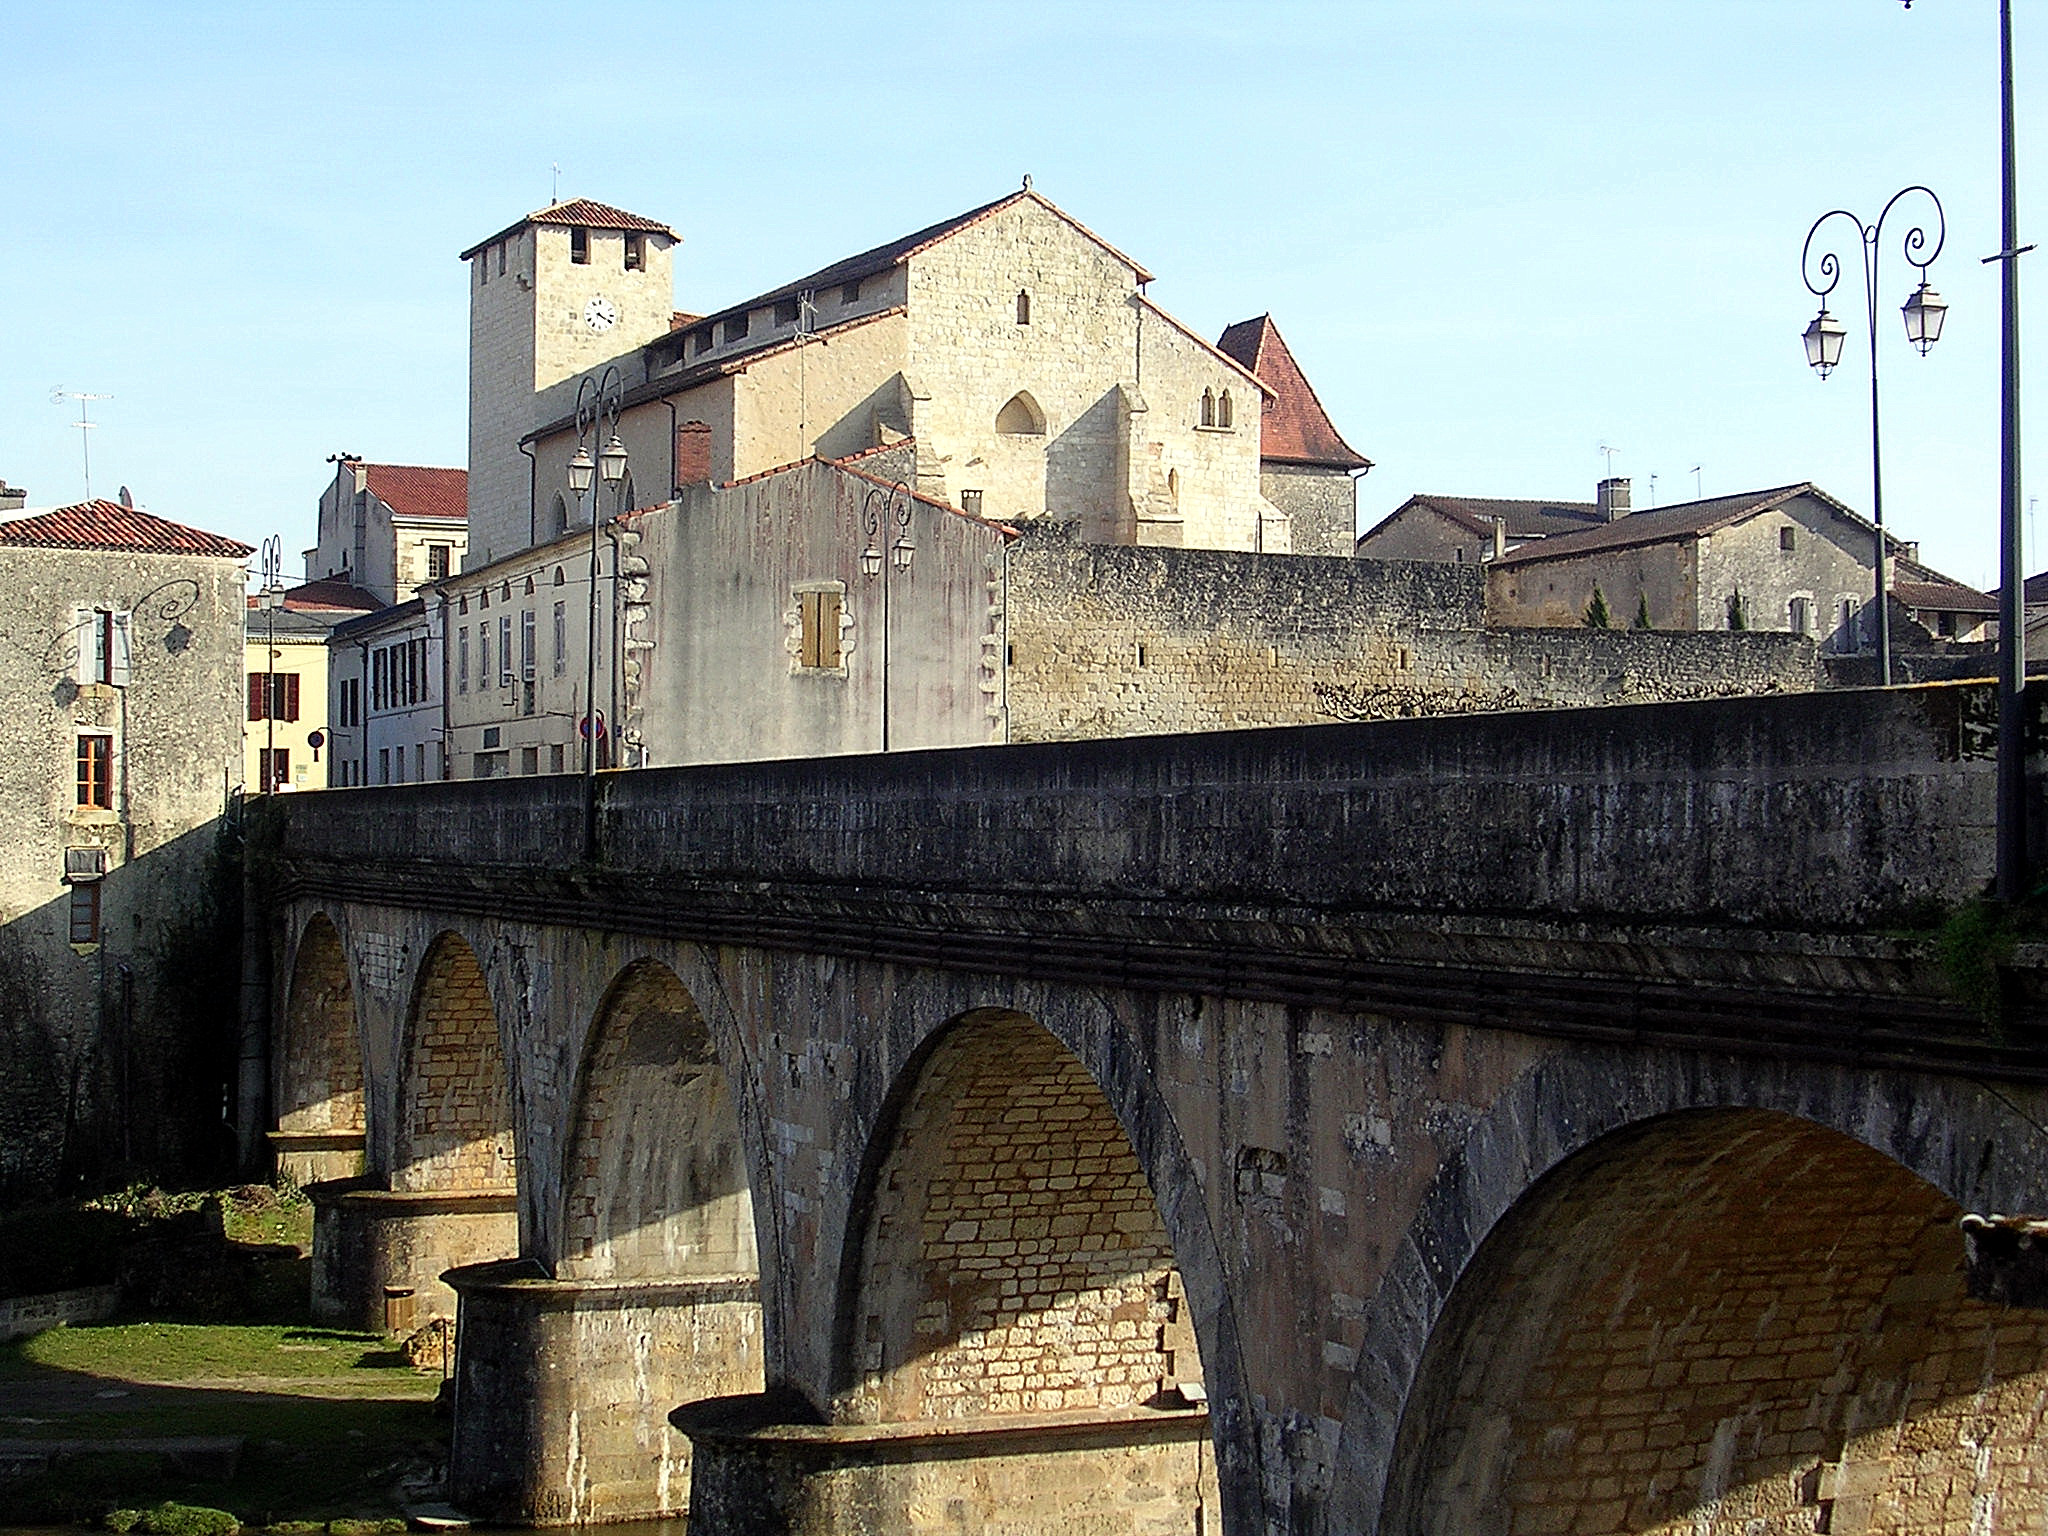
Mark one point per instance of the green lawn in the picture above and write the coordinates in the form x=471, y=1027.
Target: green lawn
x=333, y=1421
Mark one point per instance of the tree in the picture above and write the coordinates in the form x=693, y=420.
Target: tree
x=1738, y=616
x=1643, y=611
x=1596, y=611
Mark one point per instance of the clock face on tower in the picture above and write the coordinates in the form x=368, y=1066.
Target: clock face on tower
x=599, y=314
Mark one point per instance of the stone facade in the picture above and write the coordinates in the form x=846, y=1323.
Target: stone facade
x=1107, y=642
x=123, y=683
x=386, y=527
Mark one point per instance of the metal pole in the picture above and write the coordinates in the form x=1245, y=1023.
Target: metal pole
x=1884, y=608
x=2012, y=881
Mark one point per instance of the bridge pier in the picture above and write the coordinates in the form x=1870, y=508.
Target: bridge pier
x=563, y=1388
x=1131, y=1471
x=317, y=1157
x=368, y=1240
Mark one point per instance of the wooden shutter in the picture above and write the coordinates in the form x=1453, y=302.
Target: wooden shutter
x=257, y=688
x=291, y=695
x=120, y=660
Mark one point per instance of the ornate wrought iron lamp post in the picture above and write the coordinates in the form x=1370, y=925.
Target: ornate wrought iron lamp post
x=1923, y=312
x=885, y=508
x=599, y=398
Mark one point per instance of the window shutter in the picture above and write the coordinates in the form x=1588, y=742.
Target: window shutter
x=120, y=664
x=291, y=695
x=85, y=631
x=256, y=700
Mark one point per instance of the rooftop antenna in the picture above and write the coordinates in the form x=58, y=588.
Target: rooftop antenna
x=1653, y=490
x=58, y=395
x=555, y=190
x=1697, y=493
x=1609, y=453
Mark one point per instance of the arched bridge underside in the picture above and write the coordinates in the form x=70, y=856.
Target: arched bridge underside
x=1453, y=1126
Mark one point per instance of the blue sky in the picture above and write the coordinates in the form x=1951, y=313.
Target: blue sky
x=1496, y=233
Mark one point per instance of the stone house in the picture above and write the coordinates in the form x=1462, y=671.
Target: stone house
x=817, y=608
x=1018, y=348
x=386, y=716
x=1474, y=529
x=122, y=682
x=1306, y=469
x=389, y=527
x=1946, y=608
x=287, y=670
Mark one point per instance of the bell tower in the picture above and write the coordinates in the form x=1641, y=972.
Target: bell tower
x=565, y=290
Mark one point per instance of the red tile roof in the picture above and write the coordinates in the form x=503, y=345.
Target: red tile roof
x=108, y=525
x=580, y=210
x=1295, y=428
x=413, y=490
x=330, y=594
x=1922, y=586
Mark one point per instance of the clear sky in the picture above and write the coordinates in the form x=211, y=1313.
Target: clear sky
x=1497, y=234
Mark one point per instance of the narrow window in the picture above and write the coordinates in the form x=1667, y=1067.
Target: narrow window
x=462, y=660
x=736, y=328
x=785, y=312
x=505, y=650
x=462, y=604
x=636, y=252
x=1023, y=307
x=526, y=644
x=849, y=293
x=85, y=912
x=483, y=657
x=483, y=270
x=1800, y=614
x=561, y=637
x=555, y=758
x=529, y=760
x=529, y=586
x=579, y=246
x=419, y=762
x=970, y=502
x=437, y=562
x=96, y=771
x=502, y=248
x=818, y=645
x=1208, y=416
x=1223, y=409
x=383, y=765
x=703, y=340
x=560, y=579
x=1787, y=536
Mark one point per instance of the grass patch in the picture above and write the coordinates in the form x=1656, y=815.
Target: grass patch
x=179, y=1352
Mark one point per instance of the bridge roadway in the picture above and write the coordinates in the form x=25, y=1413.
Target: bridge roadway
x=1540, y=1121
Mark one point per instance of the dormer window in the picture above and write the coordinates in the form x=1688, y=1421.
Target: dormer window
x=785, y=312
x=849, y=293
x=1023, y=307
x=736, y=328
x=703, y=341
x=636, y=253
x=579, y=245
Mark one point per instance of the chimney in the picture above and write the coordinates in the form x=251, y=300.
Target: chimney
x=12, y=497
x=1500, y=537
x=1611, y=498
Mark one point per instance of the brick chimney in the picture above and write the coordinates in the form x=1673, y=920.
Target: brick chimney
x=12, y=497
x=1611, y=498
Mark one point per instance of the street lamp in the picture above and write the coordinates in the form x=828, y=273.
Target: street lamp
x=1923, y=313
x=883, y=509
x=599, y=398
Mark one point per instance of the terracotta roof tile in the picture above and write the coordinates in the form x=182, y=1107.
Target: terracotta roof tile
x=415, y=490
x=1295, y=428
x=579, y=210
x=1525, y=519
x=1922, y=586
x=330, y=595
x=1655, y=525
x=108, y=525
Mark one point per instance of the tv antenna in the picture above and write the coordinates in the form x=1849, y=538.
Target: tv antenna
x=58, y=395
x=1697, y=493
x=1608, y=453
x=555, y=195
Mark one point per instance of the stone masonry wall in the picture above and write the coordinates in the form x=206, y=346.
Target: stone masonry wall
x=1017, y=1262
x=1751, y=1325
x=458, y=1124
x=1109, y=641
x=321, y=1078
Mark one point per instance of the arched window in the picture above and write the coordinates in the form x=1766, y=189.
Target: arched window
x=1223, y=410
x=558, y=516
x=1023, y=307
x=529, y=586
x=504, y=591
x=1208, y=417
x=559, y=578
x=1021, y=417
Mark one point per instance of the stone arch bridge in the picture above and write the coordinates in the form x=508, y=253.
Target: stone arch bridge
x=1549, y=1121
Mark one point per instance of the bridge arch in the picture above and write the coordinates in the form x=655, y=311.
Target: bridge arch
x=455, y=1127
x=321, y=1109
x=1541, y=1191
x=1009, y=1261
x=656, y=1178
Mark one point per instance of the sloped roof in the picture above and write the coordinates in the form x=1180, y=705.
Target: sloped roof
x=1684, y=520
x=330, y=595
x=1922, y=586
x=579, y=210
x=1294, y=429
x=1477, y=514
x=418, y=490
x=107, y=525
